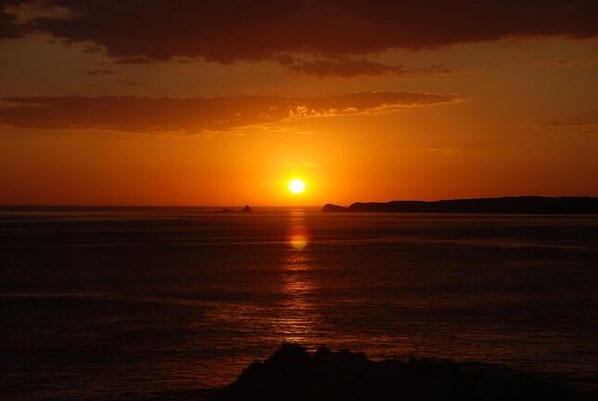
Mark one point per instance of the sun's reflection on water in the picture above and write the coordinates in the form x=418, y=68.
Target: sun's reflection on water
x=297, y=235
x=298, y=241
x=297, y=320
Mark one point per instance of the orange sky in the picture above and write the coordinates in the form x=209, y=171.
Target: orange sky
x=222, y=103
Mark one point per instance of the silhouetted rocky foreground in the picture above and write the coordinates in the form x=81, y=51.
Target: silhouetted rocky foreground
x=292, y=373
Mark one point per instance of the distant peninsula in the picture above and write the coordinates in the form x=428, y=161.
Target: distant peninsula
x=506, y=205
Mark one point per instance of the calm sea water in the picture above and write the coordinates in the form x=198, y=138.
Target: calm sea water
x=121, y=303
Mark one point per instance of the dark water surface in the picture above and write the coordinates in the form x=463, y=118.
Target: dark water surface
x=105, y=303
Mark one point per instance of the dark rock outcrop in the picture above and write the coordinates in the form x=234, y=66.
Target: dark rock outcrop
x=507, y=205
x=329, y=207
x=247, y=209
x=292, y=373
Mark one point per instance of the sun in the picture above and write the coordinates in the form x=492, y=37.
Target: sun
x=296, y=186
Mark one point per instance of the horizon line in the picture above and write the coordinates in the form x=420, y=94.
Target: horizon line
x=112, y=205
x=128, y=205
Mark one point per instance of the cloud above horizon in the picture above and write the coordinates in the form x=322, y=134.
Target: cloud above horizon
x=196, y=115
x=235, y=30
x=9, y=28
x=584, y=122
x=347, y=68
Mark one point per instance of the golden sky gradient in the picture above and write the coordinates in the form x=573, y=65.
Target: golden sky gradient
x=222, y=103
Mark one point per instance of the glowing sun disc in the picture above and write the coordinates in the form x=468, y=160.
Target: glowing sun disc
x=296, y=186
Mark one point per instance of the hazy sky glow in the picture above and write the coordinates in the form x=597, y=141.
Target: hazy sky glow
x=223, y=102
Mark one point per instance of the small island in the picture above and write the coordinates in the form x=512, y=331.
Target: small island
x=246, y=209
x=506, y=205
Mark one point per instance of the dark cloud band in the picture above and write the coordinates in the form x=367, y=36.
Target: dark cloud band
x=232, y=30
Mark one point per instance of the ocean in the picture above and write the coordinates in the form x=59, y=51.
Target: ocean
x=147, y=303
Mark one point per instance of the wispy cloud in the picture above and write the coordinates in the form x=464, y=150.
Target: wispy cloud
x=586, y=121
x=347, y=68
x=195, y=115
x=564, y=63
x=100, y=72
x=442, y=151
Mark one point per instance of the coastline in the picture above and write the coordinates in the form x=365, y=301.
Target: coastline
x=505, y=205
